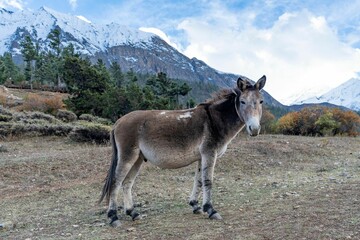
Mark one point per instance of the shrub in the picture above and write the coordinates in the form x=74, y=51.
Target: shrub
x=326, y=124
x=87, y=117
x=5, y=111
x=288, y=124
x=34, y=117
x=5, y=129
x=320, y=121
x=20, y=129
x=267, y=122
x=54, y=129
x=91, y=132
x=47, y=104
x=66, y=116
x=349, y=122
x=2, y=99
x=95, y=119
x=5, y=118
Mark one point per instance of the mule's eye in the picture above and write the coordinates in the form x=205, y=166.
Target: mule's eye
x=261, y=102
x=242, y=102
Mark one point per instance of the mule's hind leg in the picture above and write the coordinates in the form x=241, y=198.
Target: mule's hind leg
x=126, y=160
x=193, y=201
x=127, y=187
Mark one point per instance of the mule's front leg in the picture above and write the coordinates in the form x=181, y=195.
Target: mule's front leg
x=193, y=201
x=207, y=167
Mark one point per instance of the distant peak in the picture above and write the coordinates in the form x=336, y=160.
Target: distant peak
x=48, y=10
x=44, y=8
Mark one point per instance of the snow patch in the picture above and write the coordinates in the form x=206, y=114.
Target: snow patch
x=84, y=19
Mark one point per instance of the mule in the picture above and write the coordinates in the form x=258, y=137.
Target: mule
x=175, y=139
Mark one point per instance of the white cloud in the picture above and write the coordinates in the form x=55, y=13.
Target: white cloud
x=73, y=4
x=18, y=4
x=299, y=51
x=161, y=34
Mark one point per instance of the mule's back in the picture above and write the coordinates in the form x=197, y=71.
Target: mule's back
x=168, y=139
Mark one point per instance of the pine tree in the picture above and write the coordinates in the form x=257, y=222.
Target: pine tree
x=45, y=73
x=28, y=50
x=56, y=59
x=87, y=84
x=167, y=89
x=117, y=77
x=8, y=69
x=131, y=76
x=55, y=41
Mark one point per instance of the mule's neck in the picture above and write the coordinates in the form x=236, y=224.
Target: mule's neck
x=224, y=121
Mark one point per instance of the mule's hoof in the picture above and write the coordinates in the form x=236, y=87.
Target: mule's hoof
x=197, y=210
x=216, y=216
x=136, y=217
x=115, y=224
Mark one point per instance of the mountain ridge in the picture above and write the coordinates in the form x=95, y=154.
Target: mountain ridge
x=346, y=94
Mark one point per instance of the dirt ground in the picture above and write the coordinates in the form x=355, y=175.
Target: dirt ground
x=268, y=187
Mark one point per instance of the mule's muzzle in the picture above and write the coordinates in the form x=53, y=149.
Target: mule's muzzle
x=253, y=131
x=253, y=126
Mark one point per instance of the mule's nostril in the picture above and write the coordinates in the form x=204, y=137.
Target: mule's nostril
x=250, y=128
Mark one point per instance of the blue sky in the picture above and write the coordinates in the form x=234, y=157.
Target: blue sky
x=301, y=46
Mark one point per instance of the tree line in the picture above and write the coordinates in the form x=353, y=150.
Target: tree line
x=93, y=88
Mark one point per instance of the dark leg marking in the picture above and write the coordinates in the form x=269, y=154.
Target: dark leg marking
x=112, y=214
x=196, y=208
x=207, y=183
x=133, y=214
x=209, y=209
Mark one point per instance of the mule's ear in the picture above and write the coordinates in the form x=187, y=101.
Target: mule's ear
x=242, y=83
x=260, y=83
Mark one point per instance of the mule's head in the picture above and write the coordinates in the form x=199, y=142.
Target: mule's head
x=250, y=104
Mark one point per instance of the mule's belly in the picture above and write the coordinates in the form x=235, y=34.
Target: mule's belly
x=166, y=157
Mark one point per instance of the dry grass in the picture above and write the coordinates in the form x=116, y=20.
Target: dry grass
x=269, y=187
x=36, y=102
x=33, y=100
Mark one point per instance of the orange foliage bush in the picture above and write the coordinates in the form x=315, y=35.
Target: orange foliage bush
x=288, y=123
x=349, y=122
x=310, y=122
x=47, y=104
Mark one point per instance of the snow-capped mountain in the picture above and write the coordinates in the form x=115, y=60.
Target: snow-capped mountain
x=87, y=38
x=305, y=94
x=133, y=49
x=346, y=95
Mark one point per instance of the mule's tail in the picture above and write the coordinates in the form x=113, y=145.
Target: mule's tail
x=110, y=178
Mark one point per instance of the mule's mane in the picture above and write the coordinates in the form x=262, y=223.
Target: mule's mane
x=222, y=95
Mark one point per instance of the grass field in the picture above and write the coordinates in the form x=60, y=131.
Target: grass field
x=268, y=187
